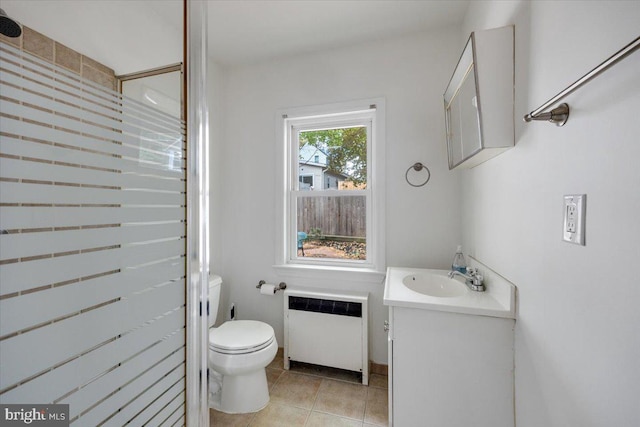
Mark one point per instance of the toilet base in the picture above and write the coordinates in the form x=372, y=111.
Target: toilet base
x=241, y=394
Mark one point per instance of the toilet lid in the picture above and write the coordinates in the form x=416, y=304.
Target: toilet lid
x=240, y=336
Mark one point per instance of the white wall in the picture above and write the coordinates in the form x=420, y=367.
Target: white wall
x=578, y=328
x=422, y=224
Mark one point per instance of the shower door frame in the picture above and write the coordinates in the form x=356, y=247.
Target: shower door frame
x=198, y=256
x=195, y=114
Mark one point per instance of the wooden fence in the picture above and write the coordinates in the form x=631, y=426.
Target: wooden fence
x=338, y=216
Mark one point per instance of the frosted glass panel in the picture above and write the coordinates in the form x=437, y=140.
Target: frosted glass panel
x=92, y=248
x=161, y=91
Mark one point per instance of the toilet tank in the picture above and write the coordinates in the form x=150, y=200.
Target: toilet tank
x=215, y=283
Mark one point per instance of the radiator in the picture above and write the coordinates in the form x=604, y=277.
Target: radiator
x=327, y=328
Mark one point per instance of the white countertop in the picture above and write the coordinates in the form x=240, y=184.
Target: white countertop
x=497, y=301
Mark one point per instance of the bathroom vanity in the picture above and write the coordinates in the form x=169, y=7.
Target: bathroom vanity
x=450, y=352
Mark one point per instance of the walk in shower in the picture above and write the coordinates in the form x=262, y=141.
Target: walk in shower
x=102, y=251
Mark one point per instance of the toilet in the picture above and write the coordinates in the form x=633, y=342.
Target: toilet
x=239, y=351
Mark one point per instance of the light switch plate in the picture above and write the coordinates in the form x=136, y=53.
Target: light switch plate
x=574, y=218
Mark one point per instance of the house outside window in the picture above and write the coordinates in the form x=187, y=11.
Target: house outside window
x=336, y=151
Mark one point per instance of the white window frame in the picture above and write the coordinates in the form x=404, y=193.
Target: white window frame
x=370, y=112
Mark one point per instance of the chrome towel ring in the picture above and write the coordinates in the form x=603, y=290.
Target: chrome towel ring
x=417, y=167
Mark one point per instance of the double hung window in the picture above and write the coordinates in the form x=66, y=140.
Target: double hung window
x=332, y=193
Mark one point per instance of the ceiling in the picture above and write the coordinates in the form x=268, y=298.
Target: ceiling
x=126, y=34
x=251, y=31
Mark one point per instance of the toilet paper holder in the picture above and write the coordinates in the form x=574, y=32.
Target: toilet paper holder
x=280, y=286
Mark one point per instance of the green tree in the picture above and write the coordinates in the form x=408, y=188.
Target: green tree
x=346, y=150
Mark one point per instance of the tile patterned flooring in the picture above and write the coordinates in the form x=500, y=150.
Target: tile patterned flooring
x=310, y=396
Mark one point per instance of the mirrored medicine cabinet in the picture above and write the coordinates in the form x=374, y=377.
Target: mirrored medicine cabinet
x=478, y=101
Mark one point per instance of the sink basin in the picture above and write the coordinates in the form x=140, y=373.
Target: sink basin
x=431, y=289
x=435, y=285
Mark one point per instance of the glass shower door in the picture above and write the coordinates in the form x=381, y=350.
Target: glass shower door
x=93, y=249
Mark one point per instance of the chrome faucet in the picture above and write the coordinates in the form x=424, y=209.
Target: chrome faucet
x=473, y=279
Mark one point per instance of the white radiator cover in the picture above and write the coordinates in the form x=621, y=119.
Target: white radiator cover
x=334, y=340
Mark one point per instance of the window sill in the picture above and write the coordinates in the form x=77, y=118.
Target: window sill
x=324, y=272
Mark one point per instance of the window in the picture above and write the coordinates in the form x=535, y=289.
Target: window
x=306, y=182
x=335, y=151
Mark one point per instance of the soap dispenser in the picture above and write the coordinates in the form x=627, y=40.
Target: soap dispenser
x=459, y=263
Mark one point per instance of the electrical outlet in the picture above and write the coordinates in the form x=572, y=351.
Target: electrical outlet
x=574, y=219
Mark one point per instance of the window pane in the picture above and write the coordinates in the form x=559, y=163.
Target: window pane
x=332, y=227
x=332, y=159
x=305, y=182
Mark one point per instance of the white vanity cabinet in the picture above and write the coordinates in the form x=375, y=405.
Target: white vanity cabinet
x=450, y=369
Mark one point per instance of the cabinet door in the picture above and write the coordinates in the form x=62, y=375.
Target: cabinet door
x=464, y=137
x=451, y=370
x=463, y=121
x=389, y=329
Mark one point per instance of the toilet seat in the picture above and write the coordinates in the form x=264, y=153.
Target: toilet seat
x=240, y=337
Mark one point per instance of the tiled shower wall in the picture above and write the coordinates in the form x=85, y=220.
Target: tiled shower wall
x=48, y=49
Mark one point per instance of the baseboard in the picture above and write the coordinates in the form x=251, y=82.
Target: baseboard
x=378, y=368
